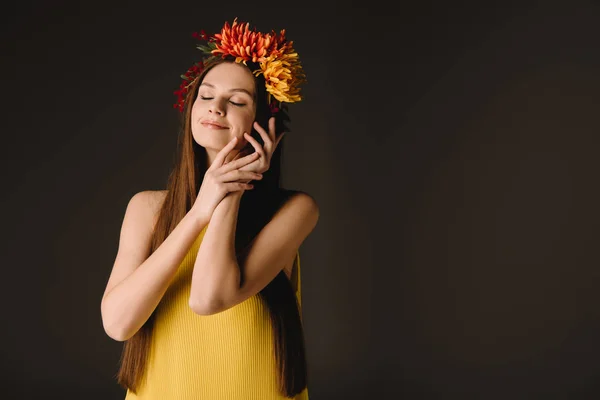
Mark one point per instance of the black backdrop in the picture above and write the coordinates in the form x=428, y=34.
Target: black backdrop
x=452, y=148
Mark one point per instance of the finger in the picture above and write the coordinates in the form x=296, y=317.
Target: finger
x=255, y=144
x=272, y=128
x=237, y=164
x=230, y=157
x=263, y=134
x=220, y=158
x=238, y=175
x=246, y=150
x=237, y=186
x=239, y=155
x=279, y=139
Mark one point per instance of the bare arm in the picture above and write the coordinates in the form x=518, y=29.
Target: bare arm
x=216, y=268
x=139, y=280
x=219, y=281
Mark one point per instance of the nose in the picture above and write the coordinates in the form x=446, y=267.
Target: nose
x=216, y=107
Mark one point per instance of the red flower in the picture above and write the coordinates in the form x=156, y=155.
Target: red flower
x=240, y=42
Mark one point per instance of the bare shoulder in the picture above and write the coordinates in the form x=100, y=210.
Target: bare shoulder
x=151, y=198
x=300, y=209
x=303, y=206
x=148, y=204
x=304, y=202
x=300, y=196
x=156, y=199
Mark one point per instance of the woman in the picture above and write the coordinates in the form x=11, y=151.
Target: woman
x=205, y=288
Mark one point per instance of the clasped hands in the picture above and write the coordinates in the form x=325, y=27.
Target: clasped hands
x=264, y=153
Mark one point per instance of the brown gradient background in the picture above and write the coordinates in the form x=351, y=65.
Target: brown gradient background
x=452, y=148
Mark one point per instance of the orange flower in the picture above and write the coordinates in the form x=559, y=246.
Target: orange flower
x=277, y=60
x=240, y=42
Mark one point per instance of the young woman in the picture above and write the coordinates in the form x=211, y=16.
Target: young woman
x=205, y=290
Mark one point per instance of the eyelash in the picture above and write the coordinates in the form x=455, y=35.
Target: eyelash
x=235, y=104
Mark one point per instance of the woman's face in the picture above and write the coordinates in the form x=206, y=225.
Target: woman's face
x=225, y=98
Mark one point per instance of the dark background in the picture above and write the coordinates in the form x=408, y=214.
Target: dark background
x=452, y=148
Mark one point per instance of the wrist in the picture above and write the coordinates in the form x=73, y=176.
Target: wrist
x=228, y=206
x=200, y=218
x=232, y=199
x=236, y=195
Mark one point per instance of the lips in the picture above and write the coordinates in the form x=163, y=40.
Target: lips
x=213, y=124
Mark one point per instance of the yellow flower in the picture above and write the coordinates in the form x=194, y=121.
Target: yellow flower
x=283, y=74
x=277, y=59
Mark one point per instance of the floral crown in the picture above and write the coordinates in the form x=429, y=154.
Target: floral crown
x=278, y=61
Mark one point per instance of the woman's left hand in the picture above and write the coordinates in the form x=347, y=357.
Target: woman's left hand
x=271, y=141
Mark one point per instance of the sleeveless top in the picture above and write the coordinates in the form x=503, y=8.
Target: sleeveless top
x=228, y=355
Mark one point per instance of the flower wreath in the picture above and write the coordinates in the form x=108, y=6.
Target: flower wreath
x=279, y=62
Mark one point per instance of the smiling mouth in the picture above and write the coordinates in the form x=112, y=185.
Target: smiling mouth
x=213, y=126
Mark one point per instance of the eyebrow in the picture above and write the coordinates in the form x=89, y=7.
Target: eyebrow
x=231, y=90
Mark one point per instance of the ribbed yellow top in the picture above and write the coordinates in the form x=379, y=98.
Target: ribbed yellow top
x=229, y=355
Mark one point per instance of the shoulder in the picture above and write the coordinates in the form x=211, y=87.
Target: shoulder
x=147, y=204
x=150, y=200
x=300, y=199
x=299, y=204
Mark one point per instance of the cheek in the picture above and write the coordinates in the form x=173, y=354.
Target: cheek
x=249, y=117
x=195, y=111
x=196, y=115
x=244, y=121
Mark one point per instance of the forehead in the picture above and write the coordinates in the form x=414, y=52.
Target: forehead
x=229, y=76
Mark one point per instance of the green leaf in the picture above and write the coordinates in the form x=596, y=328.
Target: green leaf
x=205, y=49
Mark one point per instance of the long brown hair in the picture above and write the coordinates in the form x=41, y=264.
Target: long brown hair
x=256, y=209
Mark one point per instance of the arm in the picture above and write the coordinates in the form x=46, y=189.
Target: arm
x=218, y=282
x=138, y=281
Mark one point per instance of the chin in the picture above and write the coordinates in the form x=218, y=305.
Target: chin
x=213, y=143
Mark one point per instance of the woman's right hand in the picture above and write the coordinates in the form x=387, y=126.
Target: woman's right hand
x=222, y=178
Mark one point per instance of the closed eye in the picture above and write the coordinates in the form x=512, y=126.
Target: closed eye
x=235, y=104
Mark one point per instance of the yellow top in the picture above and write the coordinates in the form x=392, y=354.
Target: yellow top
x=228, y=355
